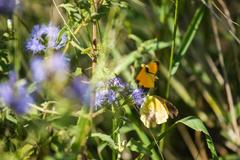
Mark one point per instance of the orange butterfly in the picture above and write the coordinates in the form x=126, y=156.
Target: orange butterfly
x=146, y=77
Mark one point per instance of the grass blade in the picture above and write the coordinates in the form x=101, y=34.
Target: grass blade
x=191, y=32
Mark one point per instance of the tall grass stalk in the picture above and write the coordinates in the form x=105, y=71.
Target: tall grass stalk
x=163, y=127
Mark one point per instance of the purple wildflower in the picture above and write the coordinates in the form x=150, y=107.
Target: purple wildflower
x=43, y=37
x=15, y=96
x=138, y=96
x=116, y=82
x=111, y=96
x=35, y=45
x=56, y=66
x=81, y=90
x=21, y=101
x=7, y=7
x=104, y=97
x=6, y=92
x=37, y=68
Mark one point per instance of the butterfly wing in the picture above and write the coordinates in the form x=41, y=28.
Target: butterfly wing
x=146, y=76
x=172, y=110
x=152, y=67
x=153, y=112
x=156, y=110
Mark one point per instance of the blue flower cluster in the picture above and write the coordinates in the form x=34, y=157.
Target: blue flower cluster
x=15, y=95
x=107, y=93
x=55, y=66
x=138, y=96
x=45, y=37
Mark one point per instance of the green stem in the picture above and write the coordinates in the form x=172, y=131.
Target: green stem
x=172, y=48
x=164, y=126
x=114, y=135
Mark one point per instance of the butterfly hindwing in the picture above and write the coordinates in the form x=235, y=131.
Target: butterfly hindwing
x=156, y=110
x=172, y=110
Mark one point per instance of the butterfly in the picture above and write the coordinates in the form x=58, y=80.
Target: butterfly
x=147, y=75
x=156, y=110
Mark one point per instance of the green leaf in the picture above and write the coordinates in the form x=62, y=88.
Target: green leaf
x=141, y=133
x=25, y=152
x=77, y=72
x=135, y=38
x=194, y=123
x=197, y=125
x=190, y=34
x=82, y=129
x=138, y=147
x=75, y=45
x=11, y=118
x=68, y=7
x=105, y=138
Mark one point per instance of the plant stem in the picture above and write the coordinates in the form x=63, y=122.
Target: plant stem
x=163, y=127
x=94, y=49
x=172, y=48
x=94, y=37
x=114, y=135
x=225, y=76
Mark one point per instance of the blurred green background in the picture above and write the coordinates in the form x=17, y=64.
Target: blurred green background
x=206, y=84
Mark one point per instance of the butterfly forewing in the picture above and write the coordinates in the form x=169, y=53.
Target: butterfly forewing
x=147, y=75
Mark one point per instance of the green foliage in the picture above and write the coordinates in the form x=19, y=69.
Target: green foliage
x=190, y=34
x=114, y=38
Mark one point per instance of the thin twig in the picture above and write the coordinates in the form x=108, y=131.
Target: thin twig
x=215, y=71
x=94, y=48
x=43, y=109
x=65, y=22
x=231, y=23
x=188, y=140
x=226, y=82
x=221, y=20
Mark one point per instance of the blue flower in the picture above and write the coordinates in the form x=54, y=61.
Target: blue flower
x=15, y=95
x=54, y=67
x=35, y=45
x=104, y=97
x=138, y=96
x=6, y=92
x=81, y=90
x=21, y=100
x=57, y=63
x=37, y=68
x=7, y=7
x=116, y=82
x=111, y=96
x=43, y=37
